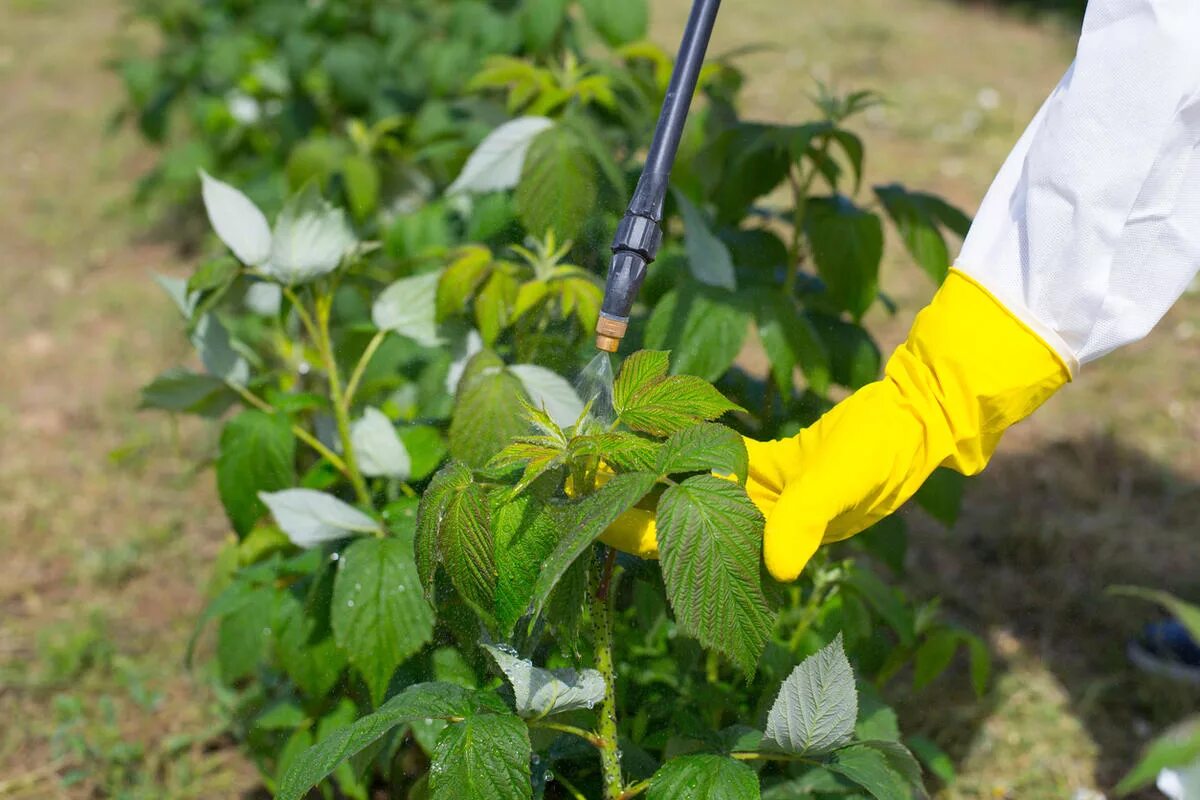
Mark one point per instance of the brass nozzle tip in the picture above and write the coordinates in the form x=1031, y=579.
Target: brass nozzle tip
x=609, y=333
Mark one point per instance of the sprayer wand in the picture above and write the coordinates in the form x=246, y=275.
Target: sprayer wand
x=639, y=233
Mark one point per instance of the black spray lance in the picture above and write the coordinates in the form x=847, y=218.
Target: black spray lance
x=639, y=233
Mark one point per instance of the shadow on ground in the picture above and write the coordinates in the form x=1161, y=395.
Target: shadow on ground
x=1042, y=537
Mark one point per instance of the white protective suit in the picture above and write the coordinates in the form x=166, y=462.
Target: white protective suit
x=1091, y=230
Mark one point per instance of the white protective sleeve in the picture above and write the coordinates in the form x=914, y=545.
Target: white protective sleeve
x=1091, y=230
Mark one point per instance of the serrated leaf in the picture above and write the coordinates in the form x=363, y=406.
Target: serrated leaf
x=409, y=307
x=869, y=768
x=541, y=692
x=704, y=329
x=497, y=162
x=242, y=635
x=707, y=256
x=309, y=517
x=557, y=189
x=236, y=220
x=310, y=239
x=257, y=454
x=641, y=369
x=817, y=704
x=550, y=391
x=584, y=521
x=710, y=543
x=379, y=615
x=418, y=702
x=467, y=547
x=705, y=447
x=526, y=531
x=377, y=446
x=626, y=452
x=847, y=245
x=703, y=777
x=431, y=513
x=486, y=412
x=672, y=404
x=484, y=757
x=494, y=304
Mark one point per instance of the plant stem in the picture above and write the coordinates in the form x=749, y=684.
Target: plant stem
x=610, y=761
x=753, y=756
x=635, y=789
x=587, y=736
x=361, y=367
x=299, y=432
x=341, y=413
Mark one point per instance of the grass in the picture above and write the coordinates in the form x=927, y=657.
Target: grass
x=1099, y=488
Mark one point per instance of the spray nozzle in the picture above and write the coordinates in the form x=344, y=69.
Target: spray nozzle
x=639, y=235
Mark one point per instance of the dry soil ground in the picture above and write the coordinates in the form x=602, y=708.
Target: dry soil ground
x=107, y=532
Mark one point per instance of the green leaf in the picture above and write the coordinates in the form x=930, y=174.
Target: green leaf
x=853, y=356
x=706, y=447
x=486, y=411
x=643, y=368
x=1187, y=614
x=618, y=21
x=541, y=21
x=934, y=758
x=379, y=616
x=934, y=656
x=672, y=404
x=418, y=702
x=703, y=777
x=216, y=273
x=257, y=454
x=626, y=452
x=708, y=257
x=462, y=279
x=541, y=692
x=241, y=641
x=870, y=769
x=361, y=179
x=942, y=494
x=450, y=481
x=886, y=601
x=1178, y=747
x=484, y=757
x=817, y=704
x=467, y=547
x=847, y=245
x=704, y=329
x=918, y=229
x=790, y=340
x=425, y=447
x=181, y=390
x=526, y=532
x=710, y=541
x=584, y=521
x=306, y=647
x=557, y=190
x=981, y=662
x=497, y=162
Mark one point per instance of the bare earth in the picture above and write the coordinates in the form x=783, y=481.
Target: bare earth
x=108, y=534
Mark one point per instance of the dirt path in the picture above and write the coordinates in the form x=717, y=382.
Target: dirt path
x=107, y=538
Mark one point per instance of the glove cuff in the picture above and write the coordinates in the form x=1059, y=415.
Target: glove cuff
x=977, y=367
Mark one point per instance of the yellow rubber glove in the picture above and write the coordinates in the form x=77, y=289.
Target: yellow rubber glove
x=968, y=371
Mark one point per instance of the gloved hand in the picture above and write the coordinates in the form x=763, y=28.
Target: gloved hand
x=969, y=370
